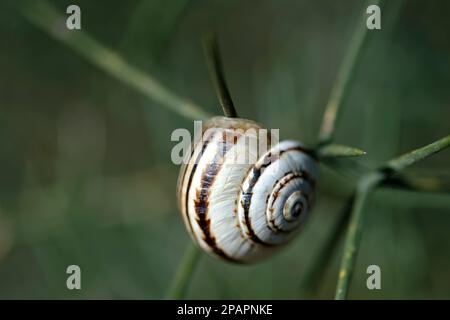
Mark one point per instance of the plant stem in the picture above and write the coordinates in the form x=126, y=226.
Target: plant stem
x=353, y=237
x=367, y=184
x=214, y=62
x=326, y=135
x=344, y=77
x=183, y=275
x=316, y=271
x=43, y=15
x=339, y=151
x=404, y=161
x=187, y=266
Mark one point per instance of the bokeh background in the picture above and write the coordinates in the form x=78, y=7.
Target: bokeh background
x=85, y=170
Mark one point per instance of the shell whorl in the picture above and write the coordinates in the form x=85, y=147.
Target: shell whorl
x=244, y=211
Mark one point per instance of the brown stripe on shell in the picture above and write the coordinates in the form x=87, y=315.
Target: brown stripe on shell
x=293, y=175
x=257, y=171
x=276, y=228
x=304, y=150
x=201, y=201
x=182, y=177
x=238, y=225
x=308, y=152
x=188, y=187
x=245, y=203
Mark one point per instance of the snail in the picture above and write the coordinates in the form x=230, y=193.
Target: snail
x=244, y=212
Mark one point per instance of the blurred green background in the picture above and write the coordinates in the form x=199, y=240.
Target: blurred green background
x=85, y=170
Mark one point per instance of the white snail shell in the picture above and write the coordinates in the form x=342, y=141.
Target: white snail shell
x=244, y=212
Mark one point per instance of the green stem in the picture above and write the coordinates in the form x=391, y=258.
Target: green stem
x=331, y=151
x=344, y=77
x=184, y=273
x=367, y=184
x=43, y=15
x=316, y=270
x=353, y=238
x=410, y=158
x=215, y=67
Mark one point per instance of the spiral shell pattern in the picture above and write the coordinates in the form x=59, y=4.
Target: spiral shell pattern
x=245, y=212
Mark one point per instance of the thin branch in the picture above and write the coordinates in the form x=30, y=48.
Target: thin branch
x=316, y=270
x=184, y=273
x=354, y=232
x=214, y=62
x=367, y=184
x=44, y=16
x=344, y=77
x=406, y=160
x=188, y=264
x=339, y=151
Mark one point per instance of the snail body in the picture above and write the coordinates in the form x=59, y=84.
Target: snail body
x=245, y=211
